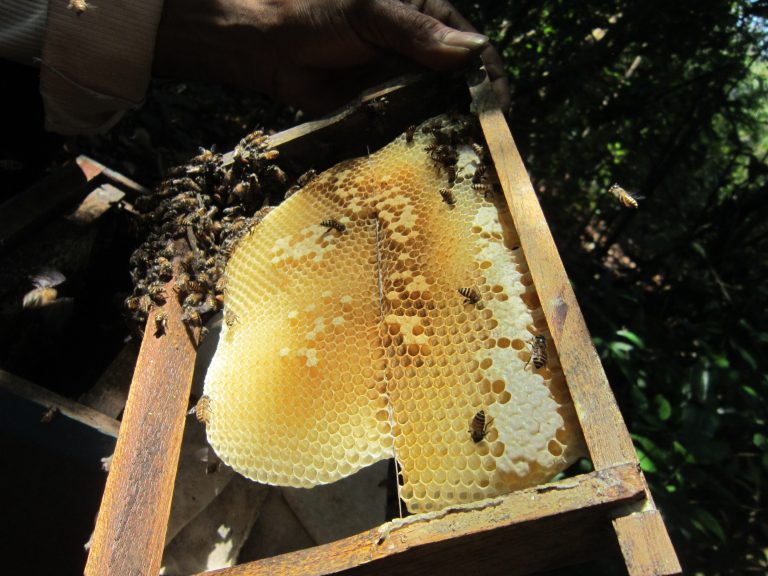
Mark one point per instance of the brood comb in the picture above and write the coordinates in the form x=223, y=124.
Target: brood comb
x=369, y=318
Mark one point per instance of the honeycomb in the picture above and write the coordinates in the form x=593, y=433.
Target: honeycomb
x=349, y=336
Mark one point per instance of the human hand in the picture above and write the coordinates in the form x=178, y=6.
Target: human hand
x=316, y=54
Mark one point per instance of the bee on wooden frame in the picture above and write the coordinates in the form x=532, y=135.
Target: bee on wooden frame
x=161, y=322
x=478, y=426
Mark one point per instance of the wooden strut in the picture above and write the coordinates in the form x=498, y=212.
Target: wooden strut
x=131, y=525
x=499, y=535
x=644, y=542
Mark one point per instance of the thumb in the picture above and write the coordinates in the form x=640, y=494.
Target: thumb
x=395, y=26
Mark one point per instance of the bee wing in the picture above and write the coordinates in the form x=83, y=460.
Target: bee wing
x=48, y=278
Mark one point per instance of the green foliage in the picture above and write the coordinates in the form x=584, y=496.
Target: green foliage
x=669, y=100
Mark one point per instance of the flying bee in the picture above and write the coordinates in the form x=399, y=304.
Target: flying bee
x=538, y=351
x=335, y=224
x=409, y=132
x=448, y=196
x=161, y=322
x=44, y=291
x=627, y=198
x=478, y=426
x=471, y=295
x=79, y=6
x=203, y=410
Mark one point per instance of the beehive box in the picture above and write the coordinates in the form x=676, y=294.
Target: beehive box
x=506, y=535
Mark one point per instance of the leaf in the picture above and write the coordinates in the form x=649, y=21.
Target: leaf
x=663, y=407
x=748, y=358
x=699, y=249
x=708, y=523
x=749, y=390
x=632, y=337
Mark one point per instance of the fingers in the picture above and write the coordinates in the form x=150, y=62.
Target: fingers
x=494, y=65
x=434, y=34
x=398, y=27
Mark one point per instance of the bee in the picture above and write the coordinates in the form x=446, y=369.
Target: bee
x=335, y=224
x=191, y=317
x=477, y=177
x=184, y=284
x=161, y=322
x=203, y=410
x=145, y=304
x=271, y=155
x=451, y=173
x=378, y=105
x=157, y=292
x=431, y=148
x=479, y=150
x=277, y=173
x=409, y=132
x=484, y=188
x=448, y=196
x=79, y=6
x=230, y=318
x=470, y=294
x=478, y=426
x=44, y=291
x=627, y=198
x=538, y=351
x=307, y=177
x=50, y=414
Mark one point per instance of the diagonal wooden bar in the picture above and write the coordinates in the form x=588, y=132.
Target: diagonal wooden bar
x=131, y=525
x=605, y=433
x=518, y=533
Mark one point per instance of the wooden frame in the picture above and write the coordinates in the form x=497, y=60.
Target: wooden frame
x=539, y=528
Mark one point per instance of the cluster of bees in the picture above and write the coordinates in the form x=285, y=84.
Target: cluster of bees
x=192, y=222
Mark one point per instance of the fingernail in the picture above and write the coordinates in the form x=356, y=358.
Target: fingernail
x=468, y=40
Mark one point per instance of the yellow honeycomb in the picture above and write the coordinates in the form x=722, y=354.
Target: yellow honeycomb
x=347, y=341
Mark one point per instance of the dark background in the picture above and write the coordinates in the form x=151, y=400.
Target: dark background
x=666, y=98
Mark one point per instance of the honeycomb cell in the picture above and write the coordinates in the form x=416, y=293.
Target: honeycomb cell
x=351, y=343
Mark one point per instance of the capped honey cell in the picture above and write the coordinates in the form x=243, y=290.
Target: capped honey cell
x=389, y=337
